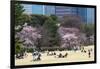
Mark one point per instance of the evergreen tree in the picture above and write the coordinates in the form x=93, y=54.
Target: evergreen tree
x=18, y=14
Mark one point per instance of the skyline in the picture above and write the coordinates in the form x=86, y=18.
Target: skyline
x=87, y=14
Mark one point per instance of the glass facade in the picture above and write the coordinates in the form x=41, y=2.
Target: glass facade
x=82, y=12
x=37, y=9
x=90, y=15
x=33, y=9
x=28, y=8
x=49, y=10
x=62, y=10
x=86, y=14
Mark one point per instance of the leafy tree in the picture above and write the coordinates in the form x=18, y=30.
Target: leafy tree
x=71, y=21
x=25, y=18
x=54, y=17
x=37, y=20
x=88, y=29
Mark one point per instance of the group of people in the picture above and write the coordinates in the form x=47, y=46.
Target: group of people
x=60, y=55
x=50, y=53
x=21, y=55
x=89, y=51
x=36, y=56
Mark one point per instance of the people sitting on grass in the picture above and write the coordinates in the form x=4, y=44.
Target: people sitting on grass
x=83, y=50
x=66, y=55
x=54, y=53
x=60, y=55
x=50, y=53
x=20, y=55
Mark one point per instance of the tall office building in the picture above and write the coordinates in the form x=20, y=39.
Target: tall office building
x=49, y=10
x=86, y=14
x=62, y=10
x=90, y=15
x=82, y=12
x=33, y=9
x=38, y=9
x=28, y=8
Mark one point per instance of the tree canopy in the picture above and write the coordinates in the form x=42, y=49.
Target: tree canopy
x=18, y=13
x=71, y=21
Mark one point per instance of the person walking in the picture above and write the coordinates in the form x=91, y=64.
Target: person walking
x=89, y=53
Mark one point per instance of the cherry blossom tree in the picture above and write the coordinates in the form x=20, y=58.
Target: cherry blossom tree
x=69, y=37
x=30, y=36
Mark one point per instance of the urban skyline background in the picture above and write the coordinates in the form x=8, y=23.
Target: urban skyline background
x=86, y=14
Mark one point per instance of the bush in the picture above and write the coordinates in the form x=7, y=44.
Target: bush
x=18, y=46
x=30, y=50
